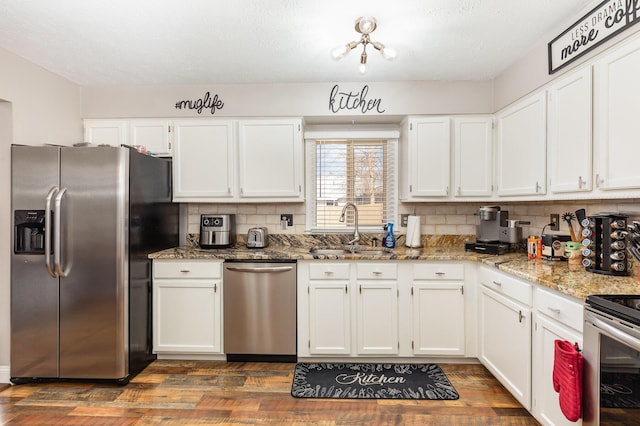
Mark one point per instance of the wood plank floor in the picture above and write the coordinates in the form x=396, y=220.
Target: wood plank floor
x=215, y=392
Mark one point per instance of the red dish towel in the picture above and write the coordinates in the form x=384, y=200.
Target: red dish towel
x=567, y=378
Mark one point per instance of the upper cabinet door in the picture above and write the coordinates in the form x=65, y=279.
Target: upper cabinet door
x=203, y=160
x=429, y=157
x=271, y=160
x=105, y=132
x=569, y=133
x=521, y=142
x=617, y=124
x=473, y=151
x=152, y=134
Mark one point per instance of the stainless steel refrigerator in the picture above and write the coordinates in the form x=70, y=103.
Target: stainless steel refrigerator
x=84, y=221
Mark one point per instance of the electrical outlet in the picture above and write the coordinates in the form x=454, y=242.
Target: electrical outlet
x=288, y=218
x=555, y=219
x=404, y=220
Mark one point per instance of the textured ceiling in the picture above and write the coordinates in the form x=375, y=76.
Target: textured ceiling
x=122, y=42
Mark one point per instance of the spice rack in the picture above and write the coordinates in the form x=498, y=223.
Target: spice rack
x=605, y=245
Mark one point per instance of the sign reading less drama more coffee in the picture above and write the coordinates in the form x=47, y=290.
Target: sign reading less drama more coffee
x=603, y=22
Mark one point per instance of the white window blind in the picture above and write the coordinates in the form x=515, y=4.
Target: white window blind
x=358, y=171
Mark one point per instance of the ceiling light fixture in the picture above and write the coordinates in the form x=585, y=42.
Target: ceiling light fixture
x=365, y=25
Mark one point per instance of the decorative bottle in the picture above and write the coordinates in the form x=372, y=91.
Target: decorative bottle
x=389, y=239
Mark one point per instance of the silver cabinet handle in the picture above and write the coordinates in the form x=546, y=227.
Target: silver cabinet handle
x=57, y=246
x=499, y=284
x=521, y=316
x=440, y=274
x=554, y=310
x=47, y=232
x=376, y=273
x=184, y=271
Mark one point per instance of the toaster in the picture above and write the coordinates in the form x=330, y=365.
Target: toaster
x=258, y=237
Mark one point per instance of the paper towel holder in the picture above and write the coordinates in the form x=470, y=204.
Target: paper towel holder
x=413, y=239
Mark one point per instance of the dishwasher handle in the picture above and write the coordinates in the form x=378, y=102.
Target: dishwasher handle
x=259, y=270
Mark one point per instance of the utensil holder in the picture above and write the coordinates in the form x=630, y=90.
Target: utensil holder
x=608, y=256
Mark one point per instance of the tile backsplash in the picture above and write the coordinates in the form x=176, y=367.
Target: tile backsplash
x=436, y=218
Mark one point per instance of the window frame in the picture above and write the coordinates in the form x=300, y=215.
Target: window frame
x=390, y=135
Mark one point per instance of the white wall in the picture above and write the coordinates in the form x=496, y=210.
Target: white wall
x=531, y=72
x=310, y=100
x=36, y=107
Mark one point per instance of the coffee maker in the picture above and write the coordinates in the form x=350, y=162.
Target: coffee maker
x=496, y=233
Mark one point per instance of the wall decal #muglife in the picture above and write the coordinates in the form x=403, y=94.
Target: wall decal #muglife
x=206, y=102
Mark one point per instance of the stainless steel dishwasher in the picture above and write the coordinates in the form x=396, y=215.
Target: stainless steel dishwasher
x=260, y=311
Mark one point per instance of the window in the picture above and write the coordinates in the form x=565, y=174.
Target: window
x=358, y=171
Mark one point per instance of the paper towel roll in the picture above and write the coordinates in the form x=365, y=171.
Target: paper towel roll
x=413, y=232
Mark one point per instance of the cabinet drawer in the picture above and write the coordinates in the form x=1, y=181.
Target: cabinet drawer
x=377, y=271
x=328, y=271
x=187, y=269
x=512, y=287
x=438, y=271
x=559, y=308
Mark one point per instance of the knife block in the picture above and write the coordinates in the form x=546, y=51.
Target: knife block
x=607, y=244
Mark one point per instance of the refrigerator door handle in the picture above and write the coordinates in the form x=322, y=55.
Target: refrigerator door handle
x=56, y=234
x=47, y=232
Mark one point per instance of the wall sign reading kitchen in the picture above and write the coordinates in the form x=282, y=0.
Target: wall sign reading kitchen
x=343, y=100
x=204, y=103
x=603, y=22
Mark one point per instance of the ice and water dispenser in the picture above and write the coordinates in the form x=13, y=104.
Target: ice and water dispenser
x=28, y=232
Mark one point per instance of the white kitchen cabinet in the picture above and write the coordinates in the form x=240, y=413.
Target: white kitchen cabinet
x=505, y=331
x=271, y=159
x=329, y=309
x=473, y=156
x=154, y=134
x=203, y=160
x=425, y=154
x=569, y=134
x=557, y=318
x=347, y=308
x=187, y=307
x=616, y=123
x=105, y=132
x=217, y=160
x=377, y=308
x=521, y=142
x=438, y=309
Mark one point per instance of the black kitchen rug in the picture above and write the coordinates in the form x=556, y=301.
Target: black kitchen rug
x=371, y=381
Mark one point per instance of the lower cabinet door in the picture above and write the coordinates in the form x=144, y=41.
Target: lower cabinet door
x=505, y=343
x=377, y=318
x=329, y=318
x=187, y=316
x=546, y=405
x=438, y=318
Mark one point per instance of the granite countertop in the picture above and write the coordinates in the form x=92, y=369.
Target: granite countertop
x=570, y=280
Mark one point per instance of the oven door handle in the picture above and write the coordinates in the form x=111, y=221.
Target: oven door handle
x=615, y=333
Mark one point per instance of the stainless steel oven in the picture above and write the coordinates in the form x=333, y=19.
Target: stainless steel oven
x=612, y=360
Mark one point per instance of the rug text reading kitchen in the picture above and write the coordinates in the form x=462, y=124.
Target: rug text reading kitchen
x=367, y=379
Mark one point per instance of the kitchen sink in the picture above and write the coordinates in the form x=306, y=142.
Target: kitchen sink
x=337, y=251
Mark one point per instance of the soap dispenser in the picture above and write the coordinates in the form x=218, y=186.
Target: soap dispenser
x=389, y=239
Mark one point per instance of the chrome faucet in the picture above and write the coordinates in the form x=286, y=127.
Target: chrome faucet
x=356, y=234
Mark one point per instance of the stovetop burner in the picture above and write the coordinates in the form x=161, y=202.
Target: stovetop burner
x=622, y=306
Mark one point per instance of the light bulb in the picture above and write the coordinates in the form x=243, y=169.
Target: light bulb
x=340, y=52
x=365, y=24
x=388, y=53
x=362, y=68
